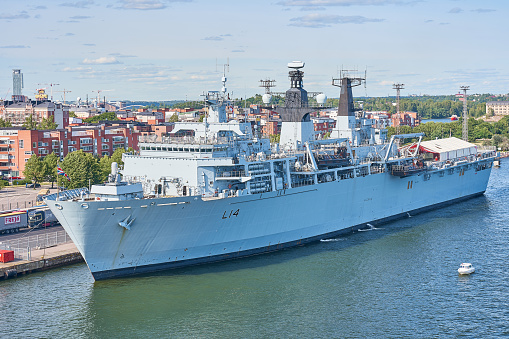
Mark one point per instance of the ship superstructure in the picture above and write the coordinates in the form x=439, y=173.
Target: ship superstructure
x=214, y=191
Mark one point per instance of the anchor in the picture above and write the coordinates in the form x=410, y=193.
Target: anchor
x=126, y=223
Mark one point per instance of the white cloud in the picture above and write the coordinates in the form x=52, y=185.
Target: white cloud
x=21, y=15
x=119, y=55
x=483, y=10
x=322, y=20
x=142, y=4
x=15, y=46
x=78, y=4
x=341, y=2
x=77, y=69
x=213, y=38
x=101, y=61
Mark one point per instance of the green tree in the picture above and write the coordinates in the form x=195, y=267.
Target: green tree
x=274, y=138
x=30, y=123
x=81, y=168
x=48, y=123
x=105, y=166
x=117, y=156
x=174, y=118
x=35, y=169
x=101, y=117
x=50, y=162
x=187, y=104
x=5, y=123
x=72, y=114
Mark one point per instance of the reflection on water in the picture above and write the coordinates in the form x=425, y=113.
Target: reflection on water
x=397, y=281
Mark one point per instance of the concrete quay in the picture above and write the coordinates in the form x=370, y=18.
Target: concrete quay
x=43, y=259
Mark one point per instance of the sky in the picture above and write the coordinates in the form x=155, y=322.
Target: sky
x=176, y=49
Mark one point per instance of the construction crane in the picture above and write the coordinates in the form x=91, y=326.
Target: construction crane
x=99, y=94
x=64, y=91
x=6, y=94
x=51, y=86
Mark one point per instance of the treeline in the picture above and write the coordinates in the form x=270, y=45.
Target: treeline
x=81, y=168
x=101, y=117
x=428, y=107
x=496, y=132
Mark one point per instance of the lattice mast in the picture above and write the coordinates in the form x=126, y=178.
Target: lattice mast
x=268, y=84
x=465, y=113
x=398, y=88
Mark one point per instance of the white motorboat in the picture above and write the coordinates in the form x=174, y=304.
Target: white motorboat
x=466, y=268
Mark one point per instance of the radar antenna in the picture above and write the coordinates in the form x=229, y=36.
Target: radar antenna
x=267, y=84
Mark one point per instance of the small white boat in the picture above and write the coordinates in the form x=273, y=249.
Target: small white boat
x=466, y=268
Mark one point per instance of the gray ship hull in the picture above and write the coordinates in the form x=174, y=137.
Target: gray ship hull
x=181, y=231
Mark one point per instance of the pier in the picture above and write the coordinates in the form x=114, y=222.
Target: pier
x=43, y=259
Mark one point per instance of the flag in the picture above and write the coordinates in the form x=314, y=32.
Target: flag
x=61, y=172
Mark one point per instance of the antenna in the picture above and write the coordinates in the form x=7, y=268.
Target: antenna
x=226, y=67
x=465, y=112
x=267, y=84
x=398, y=88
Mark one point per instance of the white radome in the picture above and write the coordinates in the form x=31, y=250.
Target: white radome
x=266, y=98
x=321, y=98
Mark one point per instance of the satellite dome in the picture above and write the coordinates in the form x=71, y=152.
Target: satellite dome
x=321, y=98
x=78, y=99
x=266, y=98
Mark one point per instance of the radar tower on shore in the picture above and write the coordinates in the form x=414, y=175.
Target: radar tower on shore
x=465, y=113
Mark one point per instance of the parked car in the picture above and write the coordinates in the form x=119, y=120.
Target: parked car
x=36, y=185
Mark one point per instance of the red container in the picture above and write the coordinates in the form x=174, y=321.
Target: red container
x=6, y=256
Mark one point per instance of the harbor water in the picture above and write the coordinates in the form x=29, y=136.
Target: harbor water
x=399, y=280
x=447, y=120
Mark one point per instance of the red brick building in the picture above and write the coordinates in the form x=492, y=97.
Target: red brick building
x=17, y=145
x=271, y=128
x=323, y=125
x=405, y=118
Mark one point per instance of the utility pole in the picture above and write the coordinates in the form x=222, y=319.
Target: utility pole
x=465, y=111
x=398, y=88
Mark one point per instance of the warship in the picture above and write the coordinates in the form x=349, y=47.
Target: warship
x=214, y=190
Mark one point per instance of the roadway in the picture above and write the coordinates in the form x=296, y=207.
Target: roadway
x=26, y=232
x=20, y=197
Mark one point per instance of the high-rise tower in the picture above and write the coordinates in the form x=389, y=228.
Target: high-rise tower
x=17, y=82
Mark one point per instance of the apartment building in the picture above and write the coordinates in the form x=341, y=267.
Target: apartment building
x=498, y=107
x=17, y=112
x=17, y=145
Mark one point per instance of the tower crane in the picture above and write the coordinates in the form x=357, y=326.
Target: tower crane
x=99, y=93
x=51, y=86
x=64, y=91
